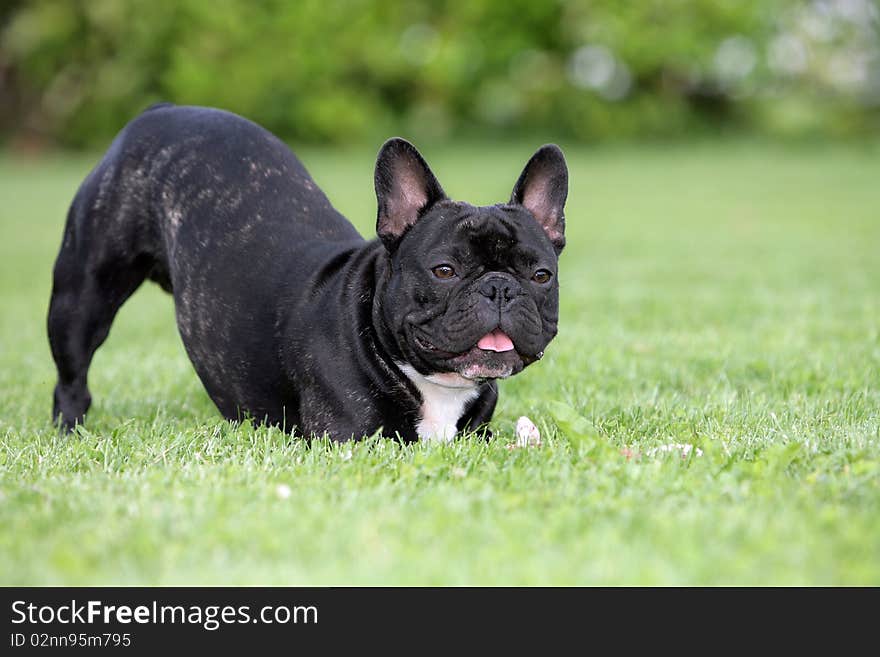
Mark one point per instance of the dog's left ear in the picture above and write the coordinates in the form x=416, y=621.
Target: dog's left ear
x=542, y=189
x=405, y=189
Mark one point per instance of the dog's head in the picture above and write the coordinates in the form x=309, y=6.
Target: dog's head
x=471, y=291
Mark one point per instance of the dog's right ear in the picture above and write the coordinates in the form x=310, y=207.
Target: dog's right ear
x=405, y=189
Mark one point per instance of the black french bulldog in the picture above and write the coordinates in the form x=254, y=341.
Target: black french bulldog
x=288, y=315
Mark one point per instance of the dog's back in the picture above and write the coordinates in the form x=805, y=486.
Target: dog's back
x=209, y=205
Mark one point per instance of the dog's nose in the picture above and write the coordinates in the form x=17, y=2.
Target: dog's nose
x=499, y=289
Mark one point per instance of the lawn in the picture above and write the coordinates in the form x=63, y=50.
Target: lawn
x=725, y=296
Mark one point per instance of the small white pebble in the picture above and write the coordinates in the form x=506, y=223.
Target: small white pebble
x=684, y=448
x=527, y=434
x=282, y=491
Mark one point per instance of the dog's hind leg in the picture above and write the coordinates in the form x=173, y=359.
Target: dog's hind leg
x=94, y=274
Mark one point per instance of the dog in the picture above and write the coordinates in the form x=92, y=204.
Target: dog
x=289, y=316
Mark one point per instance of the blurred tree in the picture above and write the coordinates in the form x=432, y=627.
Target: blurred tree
x=73, y=72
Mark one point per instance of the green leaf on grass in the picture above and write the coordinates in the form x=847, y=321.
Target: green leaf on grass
x=569, y=420
x=572, y=425
x=779, y=457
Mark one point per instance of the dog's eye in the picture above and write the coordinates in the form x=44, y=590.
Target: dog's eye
x=542, y=276
x=443, y=271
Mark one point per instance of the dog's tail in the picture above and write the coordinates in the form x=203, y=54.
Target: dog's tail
x=156, y=106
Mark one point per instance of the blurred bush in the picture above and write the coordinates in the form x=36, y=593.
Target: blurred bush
x=72, y=72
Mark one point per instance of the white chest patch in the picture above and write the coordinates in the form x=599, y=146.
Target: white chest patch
x=444, y=397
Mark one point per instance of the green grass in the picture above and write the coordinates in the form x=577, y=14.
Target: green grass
x=725, y=296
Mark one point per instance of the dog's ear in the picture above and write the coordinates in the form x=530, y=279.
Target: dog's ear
x=405, y=189
x=542, y=189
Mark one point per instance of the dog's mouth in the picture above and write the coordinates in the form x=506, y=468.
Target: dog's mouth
x=497, y=341
x=494, y=356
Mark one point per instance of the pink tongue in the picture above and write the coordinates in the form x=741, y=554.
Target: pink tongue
x=497, y=340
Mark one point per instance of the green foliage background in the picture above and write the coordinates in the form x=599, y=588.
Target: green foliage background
x=72, y=72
